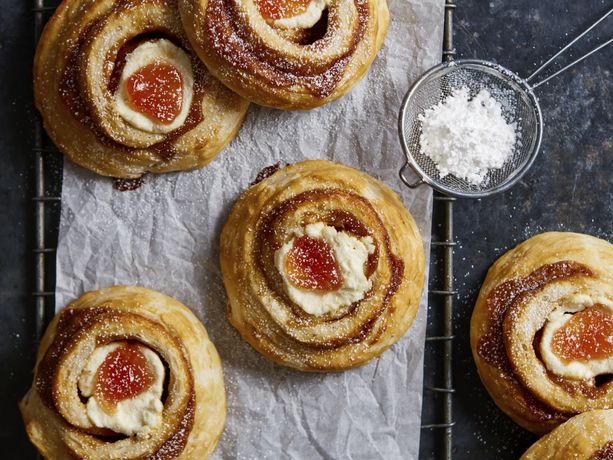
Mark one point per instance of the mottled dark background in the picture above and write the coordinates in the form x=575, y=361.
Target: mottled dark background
x=569, y=188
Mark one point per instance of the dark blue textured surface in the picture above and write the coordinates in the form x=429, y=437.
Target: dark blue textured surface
x=569, y=188
x=16, y=262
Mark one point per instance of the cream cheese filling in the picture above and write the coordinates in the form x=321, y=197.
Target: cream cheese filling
x=576, y=370
x=149, y=53
x=133, y=415
x=351, y=254
x=305, y=20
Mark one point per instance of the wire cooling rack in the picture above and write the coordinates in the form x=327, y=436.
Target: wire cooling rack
x=46, y=199
x=437, y=433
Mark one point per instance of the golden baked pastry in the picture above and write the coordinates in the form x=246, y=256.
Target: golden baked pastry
x=542, y=329
x=287, y=54
x=121, y=92
x=125, y=373
x=588, y=436
x=323, y=266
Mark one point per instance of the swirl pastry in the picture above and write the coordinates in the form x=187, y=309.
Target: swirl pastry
x=121, y=92
x=587, y=436
x=287, y=54
x=542, y=329
x=323, y=266
x=125, y=373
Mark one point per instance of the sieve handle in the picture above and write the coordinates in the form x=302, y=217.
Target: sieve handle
x=407, y=182
x=552, y=59
x=448, y=49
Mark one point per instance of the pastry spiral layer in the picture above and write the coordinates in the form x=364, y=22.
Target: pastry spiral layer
x=542, y=329
x=125, y=373
x=287, y=54
x=121, y=92
x=587, y=436
x=323, y=266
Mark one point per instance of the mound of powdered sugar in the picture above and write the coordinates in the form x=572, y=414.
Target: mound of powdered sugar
x=467, y=137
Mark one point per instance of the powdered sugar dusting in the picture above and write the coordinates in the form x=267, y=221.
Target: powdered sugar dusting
x=467, y=137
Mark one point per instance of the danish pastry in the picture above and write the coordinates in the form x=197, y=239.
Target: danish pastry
x=287, y=54
x=125, y=373
x=323, y=266
x=542, y=329
x=588, y=436
x=122, y=94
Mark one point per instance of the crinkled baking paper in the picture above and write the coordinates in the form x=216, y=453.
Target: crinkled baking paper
x=165, y=236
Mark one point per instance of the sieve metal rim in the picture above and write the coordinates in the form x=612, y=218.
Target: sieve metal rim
x=513, y=178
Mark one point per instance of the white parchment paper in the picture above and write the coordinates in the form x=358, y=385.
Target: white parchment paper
x=165, y=236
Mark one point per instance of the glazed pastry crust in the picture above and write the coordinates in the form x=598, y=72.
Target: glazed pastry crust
x=578, y=439
x=257, y=306
x=355, y=32
x=526, y=391
x=222, y=111
x=49, y=431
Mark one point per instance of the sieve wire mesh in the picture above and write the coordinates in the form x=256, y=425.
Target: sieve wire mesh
x=518, y=103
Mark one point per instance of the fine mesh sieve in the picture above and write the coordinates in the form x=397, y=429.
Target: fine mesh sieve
x=519, y=105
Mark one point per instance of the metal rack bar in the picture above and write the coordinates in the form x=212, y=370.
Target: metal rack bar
x=39, y=199
x=447, y=292
x=42, y=8
x=439, y=338
x=40, y=148
x=443, y=292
